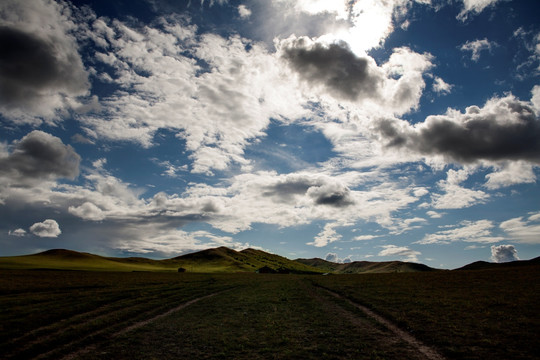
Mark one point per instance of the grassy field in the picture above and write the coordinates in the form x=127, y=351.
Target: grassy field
x=141, y=315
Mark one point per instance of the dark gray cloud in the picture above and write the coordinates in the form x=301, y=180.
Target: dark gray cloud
x=503, y=253
x=331, y=194
x=284, y=190
x=504, y=129
x=39, y=155
x=30, y=66
x=334, y=66
x=322, y=190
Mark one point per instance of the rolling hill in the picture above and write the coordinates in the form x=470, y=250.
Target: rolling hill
x=223, y=260
x=214, y=260
x=358, y=267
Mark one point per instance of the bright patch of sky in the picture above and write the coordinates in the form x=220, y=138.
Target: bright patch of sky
x=348, y=130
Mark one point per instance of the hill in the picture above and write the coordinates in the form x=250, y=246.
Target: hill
x=484, y=265
x=214, y=260
x=223, y=259
x=62, y=259
x=358, y=267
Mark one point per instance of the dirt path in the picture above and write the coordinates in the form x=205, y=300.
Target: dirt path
x=427, y=352
x=78, y=353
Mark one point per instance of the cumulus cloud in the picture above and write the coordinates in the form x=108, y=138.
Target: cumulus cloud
x=333, y=194
x=333, y=66
x=503, y=129
x=503, y=253
x=333, y=257
x=480, y=231
x=368, y=23
x=402, y=252
x=477, y=46
x=41, y=71
x=87, y=211
x=47, y=228
x=39, y=155
x=243, y=11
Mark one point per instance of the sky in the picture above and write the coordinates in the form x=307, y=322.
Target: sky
x=345, y=130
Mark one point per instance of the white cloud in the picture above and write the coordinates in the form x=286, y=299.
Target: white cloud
x=402, y=252
x=218, y=110
x=535, y=100
x=477, y=46
x=523, y=230
x=47, y=228
x=326, y=236
x=87, y=211
x=365, y=237
x=17, y=232
x=441, y=87
x=474, y=7
x=503, y=253
x=434, y=214
x=456, y=196
x=511, y=173
x=479, y=231
x=243, y=11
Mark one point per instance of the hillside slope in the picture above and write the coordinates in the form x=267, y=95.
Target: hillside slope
x=358, y=267
x=484, y=265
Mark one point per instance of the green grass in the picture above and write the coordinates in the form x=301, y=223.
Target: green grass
x=219, y=260
x=464, y=314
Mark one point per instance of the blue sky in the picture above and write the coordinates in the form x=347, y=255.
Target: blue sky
x=347, y=130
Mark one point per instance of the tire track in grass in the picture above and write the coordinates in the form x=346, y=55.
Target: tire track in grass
x=427, y=351
x=157, y=317
x=76, y=354
x=51, y=331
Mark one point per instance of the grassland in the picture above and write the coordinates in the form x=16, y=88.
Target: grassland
x=155, y=315
x=218, y=260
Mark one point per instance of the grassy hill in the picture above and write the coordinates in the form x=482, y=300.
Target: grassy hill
x=218, y=260
x=72, y=260
x=358, y=267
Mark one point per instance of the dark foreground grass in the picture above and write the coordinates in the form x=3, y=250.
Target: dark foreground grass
x=268, y=317
x=491, y=314
x=466, y=315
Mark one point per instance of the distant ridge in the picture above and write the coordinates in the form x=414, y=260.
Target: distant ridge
x=359, y=267
x=484, y=265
